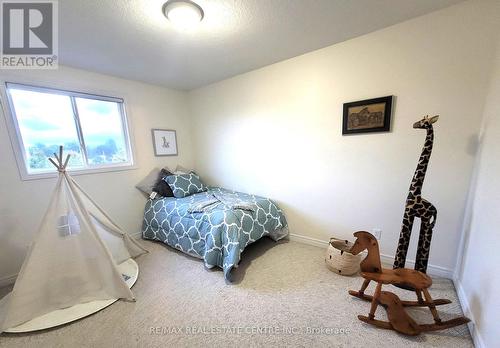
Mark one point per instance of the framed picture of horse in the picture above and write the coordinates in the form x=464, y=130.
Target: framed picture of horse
x=366, y=116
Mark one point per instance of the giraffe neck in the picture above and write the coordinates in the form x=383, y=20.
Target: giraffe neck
x=419, y=176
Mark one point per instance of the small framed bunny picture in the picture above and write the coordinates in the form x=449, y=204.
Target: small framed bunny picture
x=164, y=142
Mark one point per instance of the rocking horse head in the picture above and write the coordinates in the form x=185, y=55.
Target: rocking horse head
x=365, y=240
x=426, y=122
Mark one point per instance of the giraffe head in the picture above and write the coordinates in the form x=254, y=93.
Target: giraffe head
x=426, y=122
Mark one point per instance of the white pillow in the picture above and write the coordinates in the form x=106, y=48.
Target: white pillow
x=182, y=170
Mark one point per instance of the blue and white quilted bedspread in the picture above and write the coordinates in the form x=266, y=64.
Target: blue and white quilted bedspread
x=215, y=225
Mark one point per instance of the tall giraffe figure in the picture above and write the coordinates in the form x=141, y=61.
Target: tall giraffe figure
x=416, y=206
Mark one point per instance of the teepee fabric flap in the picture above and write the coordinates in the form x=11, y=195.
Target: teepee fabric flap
x=98, y=213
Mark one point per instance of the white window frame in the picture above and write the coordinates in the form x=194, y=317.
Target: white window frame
x=18, y=144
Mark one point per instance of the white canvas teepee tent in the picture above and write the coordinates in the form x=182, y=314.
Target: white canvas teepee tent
x=73, y=258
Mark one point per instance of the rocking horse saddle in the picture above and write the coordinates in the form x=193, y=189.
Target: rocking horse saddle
x=409, y=278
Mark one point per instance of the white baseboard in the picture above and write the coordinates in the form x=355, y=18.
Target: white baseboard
x=476, y=336
x=8, y=280
x=433, y=270
x=308, y=240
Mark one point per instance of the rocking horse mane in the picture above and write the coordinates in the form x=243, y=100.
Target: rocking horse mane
x=365, y=240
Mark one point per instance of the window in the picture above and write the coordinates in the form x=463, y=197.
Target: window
x=68, y=225
x=93, y=129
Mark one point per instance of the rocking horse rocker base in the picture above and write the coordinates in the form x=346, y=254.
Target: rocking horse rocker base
x=399, y=319
x=401, y=322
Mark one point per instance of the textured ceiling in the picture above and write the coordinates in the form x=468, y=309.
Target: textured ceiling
x=132, y=38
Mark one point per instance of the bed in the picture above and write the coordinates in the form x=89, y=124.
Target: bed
x=215, y=225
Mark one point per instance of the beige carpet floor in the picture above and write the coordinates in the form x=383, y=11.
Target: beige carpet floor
x=283, y=295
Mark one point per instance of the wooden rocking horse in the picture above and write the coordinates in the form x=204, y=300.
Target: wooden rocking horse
x=399, y=320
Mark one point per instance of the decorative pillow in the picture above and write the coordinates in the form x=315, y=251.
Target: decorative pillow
x=161, y=187
x=184, y=185
x=146, y=185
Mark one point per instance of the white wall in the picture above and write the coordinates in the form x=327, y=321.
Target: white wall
x=22, y=203
x=276, y=131
x=478, y=277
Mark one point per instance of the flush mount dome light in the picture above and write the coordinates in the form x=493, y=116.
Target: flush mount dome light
x=183, y=13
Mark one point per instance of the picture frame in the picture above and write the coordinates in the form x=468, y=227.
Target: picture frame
x=367, y=116
x=164, y=142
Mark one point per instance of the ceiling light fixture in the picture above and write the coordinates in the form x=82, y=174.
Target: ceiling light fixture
x=183, y=13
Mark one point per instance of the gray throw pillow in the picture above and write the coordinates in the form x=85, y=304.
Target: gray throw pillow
x=147, y=184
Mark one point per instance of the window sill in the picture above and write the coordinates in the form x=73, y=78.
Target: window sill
x=118, y=168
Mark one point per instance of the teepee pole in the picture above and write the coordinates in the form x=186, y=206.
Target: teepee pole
x=60, y=165
x=66, y=162
x=54, y=163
